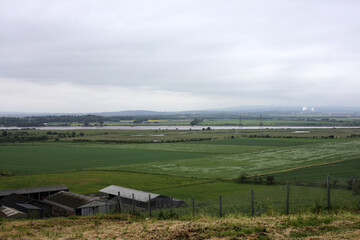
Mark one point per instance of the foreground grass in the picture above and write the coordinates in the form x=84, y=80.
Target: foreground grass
x=343, y=225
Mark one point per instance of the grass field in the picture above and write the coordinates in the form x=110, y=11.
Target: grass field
x=200, y=169
x=348, y=168
x=227, y=158
x=36, y=158
x=231, y=162
x=92, y=181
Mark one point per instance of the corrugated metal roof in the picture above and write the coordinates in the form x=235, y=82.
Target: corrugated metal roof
x=69, y=199
x=7, y=192
x=13, y=199
x=9, y=212
x=127, y=193
x=94, y=203
x=28, y=206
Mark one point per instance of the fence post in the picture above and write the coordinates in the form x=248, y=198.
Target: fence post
x=171, y=206
x=133, y=204
x=119, y=206
x=252, y=202
x=220, y=209
x=193, y=207
x=328, y=191
x=287, y=198
x=149, y=206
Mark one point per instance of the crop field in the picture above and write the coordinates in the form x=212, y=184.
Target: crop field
x=92, y=181
x=229, y=161
x=348, y=168
x=36, y=158
x=199, y=169
x=227, y=158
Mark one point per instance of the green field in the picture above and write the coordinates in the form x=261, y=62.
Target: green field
x=36, y=158
x=348, y=168
x=229, y=161
x=227, y=158
x=199, y=169
x=92, y=181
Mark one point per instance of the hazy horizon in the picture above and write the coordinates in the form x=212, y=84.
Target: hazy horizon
x=103, y=56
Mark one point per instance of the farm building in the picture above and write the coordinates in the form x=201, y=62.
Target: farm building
x=30, y=207
x=36, y=192
x=67, y=203
x=7, y=212
x=141, y=198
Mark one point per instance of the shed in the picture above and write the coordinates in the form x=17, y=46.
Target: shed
x=7, y=212
x=35, y=192
x=141, y=198
x=67, y=203
x=33, y=208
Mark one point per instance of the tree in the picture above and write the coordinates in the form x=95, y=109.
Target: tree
x=270, y=179
x=140, y=120
x=195, y=121
x=356, y=187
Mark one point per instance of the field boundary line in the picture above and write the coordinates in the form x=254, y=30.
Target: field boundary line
x=307, y=166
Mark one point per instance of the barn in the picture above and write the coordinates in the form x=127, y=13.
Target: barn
x=68, y=204
x=31, y=207
x=141, y=198
x=36, y=192
x=7, y=212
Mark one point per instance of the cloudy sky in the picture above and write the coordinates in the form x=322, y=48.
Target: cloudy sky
x=104, y=55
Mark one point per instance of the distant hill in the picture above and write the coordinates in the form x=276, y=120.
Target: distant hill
x=232, y=110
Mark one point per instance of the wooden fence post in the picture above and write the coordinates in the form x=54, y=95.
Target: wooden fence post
x=133, y=204
x=220, y=209
x=328, y=191
x=252, y=202
x=119, y=206
x=149, y=206
x=193, y=207
x=170, y=206
x=287, y=198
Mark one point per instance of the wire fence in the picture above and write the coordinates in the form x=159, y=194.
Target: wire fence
x=290, y=198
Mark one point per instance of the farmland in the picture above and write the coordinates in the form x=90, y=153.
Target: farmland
x=36, y=158
x=186, y=168
x=208, y=159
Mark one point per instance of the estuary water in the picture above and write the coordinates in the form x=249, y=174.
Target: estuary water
x=173, y=127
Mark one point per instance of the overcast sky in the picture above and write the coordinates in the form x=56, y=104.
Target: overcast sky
x=91, y=56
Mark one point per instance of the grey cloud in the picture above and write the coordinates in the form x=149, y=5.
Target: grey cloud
x=221, y=48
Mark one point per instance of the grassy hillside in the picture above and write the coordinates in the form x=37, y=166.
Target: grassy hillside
x=343, y=225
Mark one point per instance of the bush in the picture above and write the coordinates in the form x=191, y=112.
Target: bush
x=270, y=179
x=356, y=187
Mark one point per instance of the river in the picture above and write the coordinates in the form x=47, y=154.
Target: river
x=176, y=127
